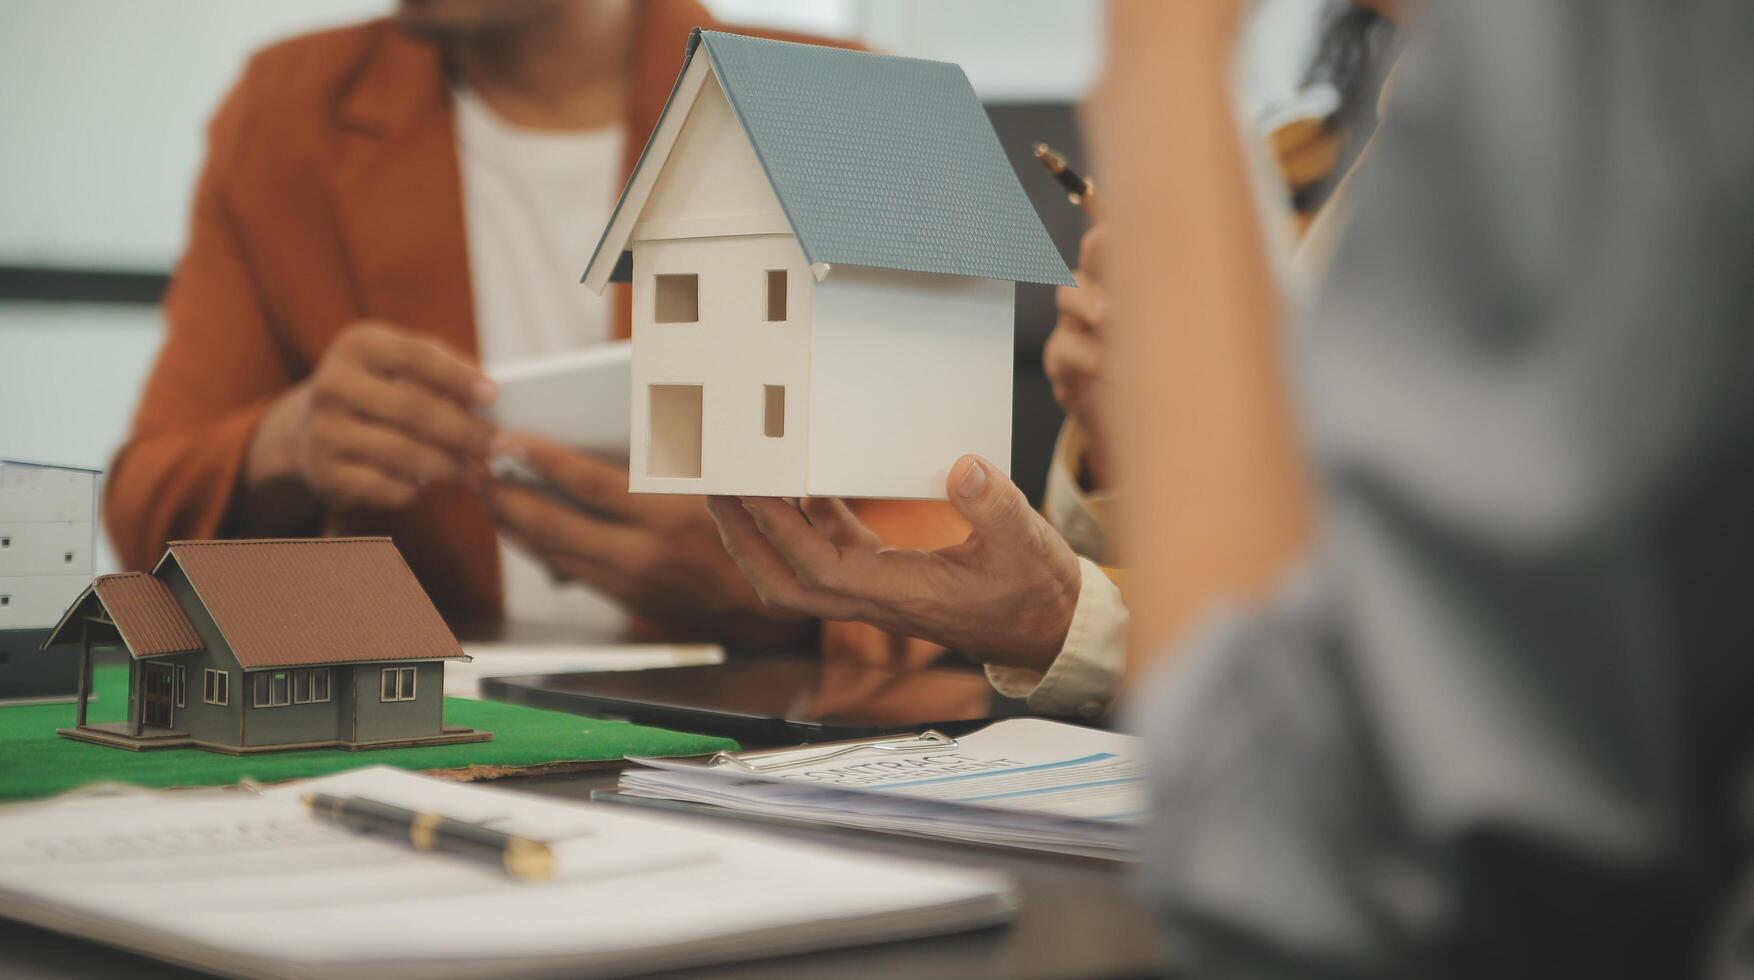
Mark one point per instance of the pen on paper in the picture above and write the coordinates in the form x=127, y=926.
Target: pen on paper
x=520, y=857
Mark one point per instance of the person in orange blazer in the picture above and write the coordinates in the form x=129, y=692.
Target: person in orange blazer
x=319, y=371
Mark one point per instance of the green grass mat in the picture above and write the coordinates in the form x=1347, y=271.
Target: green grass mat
x=35, y=762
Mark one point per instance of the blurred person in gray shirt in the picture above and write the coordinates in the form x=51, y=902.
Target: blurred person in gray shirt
x=1493, y=719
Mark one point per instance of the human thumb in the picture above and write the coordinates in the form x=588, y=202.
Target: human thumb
x=986, y=497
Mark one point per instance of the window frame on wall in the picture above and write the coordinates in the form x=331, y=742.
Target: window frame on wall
x=308, y=678
x=182, y=683
x=389, y=693
x=776, y=308
x=676, y=297
x=216, y=686
x=271, y=689
x=773, y=411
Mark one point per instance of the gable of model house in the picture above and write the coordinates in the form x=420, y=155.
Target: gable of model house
x=874, y=161
x=711, y=183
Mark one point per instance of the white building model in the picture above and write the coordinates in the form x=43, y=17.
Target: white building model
x=823, y=247
x=48, y=533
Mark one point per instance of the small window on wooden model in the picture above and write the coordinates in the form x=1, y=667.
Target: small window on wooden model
x=773, y=416
x=182, y=686
x=5, y=541
x=676, y=298
x=776, y=295
x=398, y=684
x=310, y=685
x=675, y=423
x=5, y=600
x=273, y=690
x=215, y=686
x=67, y=557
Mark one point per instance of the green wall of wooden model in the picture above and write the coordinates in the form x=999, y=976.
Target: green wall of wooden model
x=377, y=721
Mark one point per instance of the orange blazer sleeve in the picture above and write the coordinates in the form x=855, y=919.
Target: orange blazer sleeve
x=216, y=372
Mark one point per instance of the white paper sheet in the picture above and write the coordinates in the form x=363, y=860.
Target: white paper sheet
x=245, y=882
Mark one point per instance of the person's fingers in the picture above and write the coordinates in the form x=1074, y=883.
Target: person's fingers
x=834, y=518
x=1071, y=359
x=989, y=501
x=1090, y=252
x=412, y=408
x=814, y=557
x=566, y=566
x=593, y=482
x=386, y=350
x=352, y=484
x=766, y=569
x=1086, y=306
x=820, y=564
x=537, y=517
x=382, y=448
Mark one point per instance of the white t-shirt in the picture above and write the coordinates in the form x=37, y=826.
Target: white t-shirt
x=534, y=204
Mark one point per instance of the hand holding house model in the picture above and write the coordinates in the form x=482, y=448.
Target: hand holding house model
x=823, y=247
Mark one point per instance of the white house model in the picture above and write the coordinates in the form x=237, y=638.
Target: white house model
x=48, y=532
x=823, y=247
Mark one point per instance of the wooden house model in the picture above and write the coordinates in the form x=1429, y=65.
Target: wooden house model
x=823, y=247
x=262, y=645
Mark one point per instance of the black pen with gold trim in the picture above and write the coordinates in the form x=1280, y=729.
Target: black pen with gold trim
x=1079, y=190
x=520, y=857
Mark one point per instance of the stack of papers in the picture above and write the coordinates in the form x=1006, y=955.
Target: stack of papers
x=1025, y=783
x=252, y=885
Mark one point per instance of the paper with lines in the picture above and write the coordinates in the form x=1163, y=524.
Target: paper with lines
x=248, y=884
x=1024, y=782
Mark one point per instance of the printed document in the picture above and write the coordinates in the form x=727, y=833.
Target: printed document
x=1024, y=782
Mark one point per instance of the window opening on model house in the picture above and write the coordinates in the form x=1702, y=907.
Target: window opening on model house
x=310, y=685
x=6, y=541
x=182, y=686
x=273, y=690
x=776, y=295
x=773, y=422
x=676, y=298
x=398, y=684
x=67, y=557
x=674, y=450
x=216, y=686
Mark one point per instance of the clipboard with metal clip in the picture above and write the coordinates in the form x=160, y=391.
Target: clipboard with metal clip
x=771, y=760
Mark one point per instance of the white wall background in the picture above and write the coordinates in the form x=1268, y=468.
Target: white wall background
x=102, y=128
x=105, y=105
x=106, y=100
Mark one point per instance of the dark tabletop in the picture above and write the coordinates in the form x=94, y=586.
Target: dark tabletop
x=1077, y=917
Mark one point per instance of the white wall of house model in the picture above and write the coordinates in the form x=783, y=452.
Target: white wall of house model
x=757, y=373
x=48, y=532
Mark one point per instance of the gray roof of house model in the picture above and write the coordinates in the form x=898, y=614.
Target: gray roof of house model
x=881, y=161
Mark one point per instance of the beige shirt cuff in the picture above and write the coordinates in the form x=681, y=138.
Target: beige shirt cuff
x=1081, y=518
x=1086, y=675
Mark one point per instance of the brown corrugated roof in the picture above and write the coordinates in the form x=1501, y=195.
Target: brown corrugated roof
x=146, y=614
x=294, y=601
